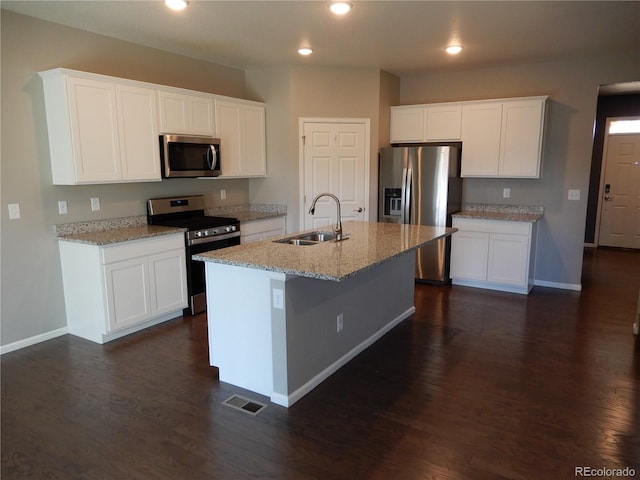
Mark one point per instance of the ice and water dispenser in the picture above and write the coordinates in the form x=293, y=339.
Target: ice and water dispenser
x=392, y=202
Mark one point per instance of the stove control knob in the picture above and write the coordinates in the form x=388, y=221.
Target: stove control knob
x=198, y=234
x=229, y=229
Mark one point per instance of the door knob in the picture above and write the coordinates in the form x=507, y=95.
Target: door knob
x=359, y=210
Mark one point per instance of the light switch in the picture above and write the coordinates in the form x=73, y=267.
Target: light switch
x=223, y=194
x=95, y=204
x=62, y=207
x=14, y=211
x=506, y=192
x=574, y=194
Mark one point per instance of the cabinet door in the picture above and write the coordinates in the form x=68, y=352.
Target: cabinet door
x=255, y=161
x=229, y=126
x=173, y=113
x=521, y=142
x=481, y=124
x=443, y=122
x=139, y=148
x=469, y=255
x=201, y=116
x=168, y=281
x=186, y=114
x=127, y=290
x=508, y=259
x=241, y=129
x=94, y=130
x=407, y=124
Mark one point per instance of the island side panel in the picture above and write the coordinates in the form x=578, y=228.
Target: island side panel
x=239, y=321
x=371, y=303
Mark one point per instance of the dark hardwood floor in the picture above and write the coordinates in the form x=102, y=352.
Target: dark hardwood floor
x=475, y=385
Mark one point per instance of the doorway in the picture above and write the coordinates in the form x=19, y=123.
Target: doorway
x=334, y=158
x=620, y=185
x=619, y=100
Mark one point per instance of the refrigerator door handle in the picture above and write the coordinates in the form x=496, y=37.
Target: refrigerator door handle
x=406, y=198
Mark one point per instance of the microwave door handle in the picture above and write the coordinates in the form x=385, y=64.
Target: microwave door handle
x=211, y=153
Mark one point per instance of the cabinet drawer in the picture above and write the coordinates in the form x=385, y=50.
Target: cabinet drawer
x=141, y=248
x=492, y=226
x=260, y=226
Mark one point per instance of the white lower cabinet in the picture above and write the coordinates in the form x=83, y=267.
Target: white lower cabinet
x=262, y=229
x=497, y=255
x=114, y=290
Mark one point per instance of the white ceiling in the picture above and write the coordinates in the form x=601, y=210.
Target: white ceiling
x=401, y=37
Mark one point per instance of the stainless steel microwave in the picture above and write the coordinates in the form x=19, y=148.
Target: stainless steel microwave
x=186, y=156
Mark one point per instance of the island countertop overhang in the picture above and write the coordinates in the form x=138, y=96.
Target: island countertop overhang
x=369, y=244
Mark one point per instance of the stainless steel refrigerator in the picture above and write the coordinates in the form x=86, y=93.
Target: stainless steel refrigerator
x=421, y=185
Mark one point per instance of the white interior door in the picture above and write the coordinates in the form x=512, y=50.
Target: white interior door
x=620, y=211
x=335, y=159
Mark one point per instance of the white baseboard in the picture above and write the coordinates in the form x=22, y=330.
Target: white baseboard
x=564, y=286
x=27, y=342
x=288, y=400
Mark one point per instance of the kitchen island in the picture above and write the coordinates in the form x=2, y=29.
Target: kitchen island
x=282, y=318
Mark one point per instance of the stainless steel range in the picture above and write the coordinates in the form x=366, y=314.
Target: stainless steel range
x=203, y=233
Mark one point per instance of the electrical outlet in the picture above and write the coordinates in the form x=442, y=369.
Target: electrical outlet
x=62, y=207
x=223, y=194
x=14, y=211
x=506, y=192
x=95, y=204
x=339, y=323
x=277, y=298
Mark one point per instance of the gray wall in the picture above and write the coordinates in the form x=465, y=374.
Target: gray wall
x=295, y=92
x=573, y=91
x=31, y=288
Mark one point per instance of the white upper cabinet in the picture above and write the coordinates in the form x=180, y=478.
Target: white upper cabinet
x=407, y=124
x=100, y=131
x=503, y=138
x=521, y=138
x=481, y=123
x=241, y=129
x=443, y=122
x=500, y=138
x=137, y=120
x=105, y=129
x=426, y=123
x=186, y=114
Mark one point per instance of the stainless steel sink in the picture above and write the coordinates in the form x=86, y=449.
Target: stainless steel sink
x=309, y=238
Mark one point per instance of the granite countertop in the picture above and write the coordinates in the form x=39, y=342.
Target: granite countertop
x=507, y=213
x=369, y=244
x=119, y=235
x=248, y=212
x=124, y=229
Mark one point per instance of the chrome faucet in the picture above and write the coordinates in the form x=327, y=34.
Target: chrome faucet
x=338, y=228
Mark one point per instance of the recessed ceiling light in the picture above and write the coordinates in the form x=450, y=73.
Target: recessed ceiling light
x=305, y=51
x=176, y=4
x=453, y=49
x=340, y=8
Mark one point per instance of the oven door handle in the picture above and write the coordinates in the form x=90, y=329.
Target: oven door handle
x=212, y=240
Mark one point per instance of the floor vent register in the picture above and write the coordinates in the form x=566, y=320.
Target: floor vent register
x=244, y=405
